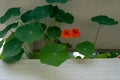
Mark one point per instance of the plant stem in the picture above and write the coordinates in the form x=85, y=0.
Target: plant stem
x=11, y=31
x=97, y=34
x=26, y=50
x=18, y=21
x=31, y=47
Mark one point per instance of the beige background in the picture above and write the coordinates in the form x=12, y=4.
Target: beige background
x=83, y=10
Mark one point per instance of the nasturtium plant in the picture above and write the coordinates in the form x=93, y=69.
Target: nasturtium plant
x=30, y=27
x=44, y=23
x=103, y=20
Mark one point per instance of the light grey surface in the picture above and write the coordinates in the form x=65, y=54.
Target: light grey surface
x=91, y=69
x=83, y=10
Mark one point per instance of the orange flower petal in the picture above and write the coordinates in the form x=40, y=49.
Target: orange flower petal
x=75, y=32
x=67, y=34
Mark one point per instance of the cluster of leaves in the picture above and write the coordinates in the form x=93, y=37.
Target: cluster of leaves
x=105, y=55
x=31, y=29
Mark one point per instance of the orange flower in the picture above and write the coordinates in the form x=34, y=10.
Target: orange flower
x=75, y=32
x=67, y=33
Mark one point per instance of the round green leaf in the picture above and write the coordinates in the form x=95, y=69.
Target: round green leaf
x=55, y=11
x=55, y=1
x=104, y=20
x=54, y=32
x=42, y=12
x=64, y=17
x=86, y=48
x=13, y=59
x=26, y=17
x=61, y=16
x=30, y=32
x=9, y=13
x=12, y=48
x=53, y=54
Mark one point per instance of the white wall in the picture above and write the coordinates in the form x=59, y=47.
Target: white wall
x=83, y=10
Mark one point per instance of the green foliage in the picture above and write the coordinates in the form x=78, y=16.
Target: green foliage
x=1, y=43
x=33, y=55
x=54, y=32
x=53, y=54
x=13, y=59
x=0, y=57
x=68, y=45
x=26, y=17
x=104, y=20
x=55, y=11
x=41, y=12
x=86, y=48
x=12, y=36
x=10, y=12
x=65, y=17
x=32, y=27
x=9, y=27
x=30, y=32
x=12, y=48
x=56, y=1
x=43, y=26
x=61, y=16
x=103, y=55
x=107, y=55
